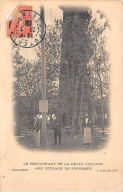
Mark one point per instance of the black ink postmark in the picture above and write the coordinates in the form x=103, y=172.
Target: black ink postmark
x=28, y=31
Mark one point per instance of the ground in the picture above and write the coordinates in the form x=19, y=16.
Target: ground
x=70, y=141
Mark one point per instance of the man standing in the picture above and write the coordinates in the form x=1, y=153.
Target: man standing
x=57, y=130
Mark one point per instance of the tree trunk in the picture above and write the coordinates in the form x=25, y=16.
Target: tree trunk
x=74, y=107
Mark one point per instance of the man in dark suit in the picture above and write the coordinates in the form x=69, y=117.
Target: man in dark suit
x=57, y=130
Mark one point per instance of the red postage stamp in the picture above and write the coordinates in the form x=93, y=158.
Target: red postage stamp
x=24, y=27
x=21, y=26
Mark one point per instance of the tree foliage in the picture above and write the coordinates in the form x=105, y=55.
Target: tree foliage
x=99, y=63
x=27, y=74
x=53, y=41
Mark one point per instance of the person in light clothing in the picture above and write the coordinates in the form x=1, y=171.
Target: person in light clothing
x=87, y=133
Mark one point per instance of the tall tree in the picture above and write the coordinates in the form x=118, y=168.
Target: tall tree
x=99, y=63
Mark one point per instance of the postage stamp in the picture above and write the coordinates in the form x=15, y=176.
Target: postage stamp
x=25, y=28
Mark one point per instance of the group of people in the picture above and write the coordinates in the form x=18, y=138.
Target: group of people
x=57, y=127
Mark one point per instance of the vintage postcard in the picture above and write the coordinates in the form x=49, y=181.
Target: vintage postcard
x=61, y=102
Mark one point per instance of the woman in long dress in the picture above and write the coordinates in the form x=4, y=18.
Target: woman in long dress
x=87, y=133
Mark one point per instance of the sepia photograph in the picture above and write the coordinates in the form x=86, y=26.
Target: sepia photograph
x=61, y=97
